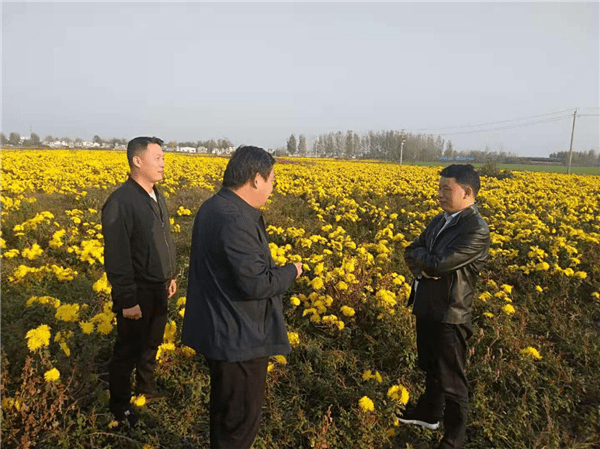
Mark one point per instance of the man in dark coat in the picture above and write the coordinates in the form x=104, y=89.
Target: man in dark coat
x=234, y=311
x=139, y=258
x=445, y=261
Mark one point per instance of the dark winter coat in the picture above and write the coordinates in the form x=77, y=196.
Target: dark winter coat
x=455, y=256
x=234, y=308
x=138, y=247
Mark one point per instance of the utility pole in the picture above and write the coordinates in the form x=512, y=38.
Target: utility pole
x=571, y=148
x=402, y=147
x=401, y=150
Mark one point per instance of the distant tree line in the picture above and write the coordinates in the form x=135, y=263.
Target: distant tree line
x=383, y=145
x=34, y=141
x=410, y=147
x=579, y=158
x=210, y=145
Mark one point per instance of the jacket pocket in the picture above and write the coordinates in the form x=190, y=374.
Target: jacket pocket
x=450, y=281
x=262, y=311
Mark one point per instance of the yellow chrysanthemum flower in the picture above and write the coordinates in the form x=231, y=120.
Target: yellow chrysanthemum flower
x=294, y=338
x=347, y=311
x=170, y=331
x=102, y=285
x=341, y=285
x=187, y=351
x=86, y=327
x=508, y=309
x=281, y=359
x=317, y=283
x=366, y=404
x=68, y=312
x=52, y=375
x=532, y=352
x=138, y=401
x=38, y=337
x=399, y=393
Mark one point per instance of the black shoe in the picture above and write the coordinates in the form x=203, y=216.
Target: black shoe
x=126, y=417
x=419, y=419
x=152, y=396
x=450, y=444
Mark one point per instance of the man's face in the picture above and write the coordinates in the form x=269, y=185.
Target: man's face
x=151, y=163
x=452, y=196
x=264, y=187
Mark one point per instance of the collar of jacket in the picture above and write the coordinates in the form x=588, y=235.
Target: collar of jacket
x=135, y=184
x=466, y=212
x=229, y=194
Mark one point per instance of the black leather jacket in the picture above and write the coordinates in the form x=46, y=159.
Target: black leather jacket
x=138, y=247
x=454, y=257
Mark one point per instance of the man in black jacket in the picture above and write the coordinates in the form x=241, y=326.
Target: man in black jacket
x=445, y=261
x=139, y=258
x=234, y=312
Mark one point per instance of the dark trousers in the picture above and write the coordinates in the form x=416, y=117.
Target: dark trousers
x=237, y=391
x=137, y=344
x=442, y=350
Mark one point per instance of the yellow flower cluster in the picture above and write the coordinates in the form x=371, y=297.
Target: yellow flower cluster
x=89, y=251
x=38, y=338
x=368, y=375
x=67, y=312
x=138, y=401
x=399, y=393
x=61, y=273
x=182, y=211
x=52, y=375
x=366, y=404
x=277, y=360
x=294, y=339
x=350, y=245
x=531, y=352
x=102, y=285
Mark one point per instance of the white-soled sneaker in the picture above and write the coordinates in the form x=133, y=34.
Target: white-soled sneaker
x=413, y=418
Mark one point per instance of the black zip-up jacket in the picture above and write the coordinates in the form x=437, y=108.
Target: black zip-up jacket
x=138, y=247
x=234, y=309
x=455, y=256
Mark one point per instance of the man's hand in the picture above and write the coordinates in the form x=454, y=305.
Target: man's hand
x=429, y=277
x=299, y=268
x=133, y=313
x=172, y=287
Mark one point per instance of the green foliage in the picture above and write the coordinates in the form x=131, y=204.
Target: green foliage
x=490, y=169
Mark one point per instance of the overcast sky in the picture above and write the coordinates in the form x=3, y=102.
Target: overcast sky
x=258, y=72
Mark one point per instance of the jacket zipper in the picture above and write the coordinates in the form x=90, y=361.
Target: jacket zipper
x=162, y=223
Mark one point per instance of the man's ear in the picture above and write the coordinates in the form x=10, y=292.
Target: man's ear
x=468, y=191
x=137, y=161
x=255, y=181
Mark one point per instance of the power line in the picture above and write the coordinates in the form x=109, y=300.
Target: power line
x=493, y=123
x=517, y=125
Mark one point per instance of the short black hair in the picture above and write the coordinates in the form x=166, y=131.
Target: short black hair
x=463, y=174
x=245, y=163
x=138, y=145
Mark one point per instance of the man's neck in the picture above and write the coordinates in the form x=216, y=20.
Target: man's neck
x=245, y=193
x=148, y=186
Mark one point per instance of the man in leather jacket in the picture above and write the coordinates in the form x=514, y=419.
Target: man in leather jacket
x=139, y=258
x=445, y=261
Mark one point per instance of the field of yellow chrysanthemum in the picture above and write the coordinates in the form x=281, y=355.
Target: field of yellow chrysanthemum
x=353, y=365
